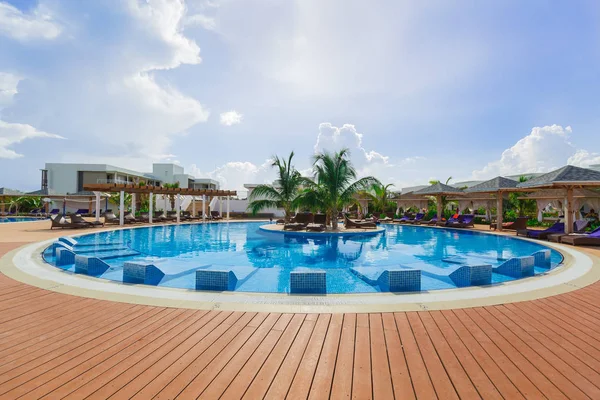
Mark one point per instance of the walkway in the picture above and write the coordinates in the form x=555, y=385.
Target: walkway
x=59, y=346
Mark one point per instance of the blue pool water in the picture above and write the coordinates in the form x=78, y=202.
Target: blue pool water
x=19, y=219
x=263, y=260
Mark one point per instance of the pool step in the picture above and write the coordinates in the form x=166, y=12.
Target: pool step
x=390, y=279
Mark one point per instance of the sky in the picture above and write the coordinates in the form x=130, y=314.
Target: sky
x=416, y=90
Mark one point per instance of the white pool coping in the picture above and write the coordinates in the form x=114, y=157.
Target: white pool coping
x=578, y=270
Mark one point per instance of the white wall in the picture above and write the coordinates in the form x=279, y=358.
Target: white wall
x=242, y=206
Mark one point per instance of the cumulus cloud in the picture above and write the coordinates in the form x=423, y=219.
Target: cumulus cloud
x=542, y=150
x=231, y=118
x=583, y=158
x=333, y=138
x=8, y=87
x=11, y=134
x=119, y=95
x=206, y=22
x=38, y=24
x=234, y=174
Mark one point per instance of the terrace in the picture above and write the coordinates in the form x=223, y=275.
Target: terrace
x=60, y=345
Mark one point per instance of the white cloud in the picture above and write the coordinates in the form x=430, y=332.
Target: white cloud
x=39, y=24
x=16, y=133
x=542, y=150
x=231, y=118
x=332, y=138
x=234, y=174
x=206, y=22
x=162, y=20
x=583, y=158
x=8, y=88
x=115, y=92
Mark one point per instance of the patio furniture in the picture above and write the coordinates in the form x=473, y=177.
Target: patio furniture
x=405, y=218
x=463, y=221
x=582, y=239
x=59, y=221
x=417, y=219
x=519, y=224
x=79, y=219
x=215, y=215
x=349, y=224
x=315, y=227
x=579, y=226
x=537, y=234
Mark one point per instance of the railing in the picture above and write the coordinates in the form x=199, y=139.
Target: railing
x=110, y=181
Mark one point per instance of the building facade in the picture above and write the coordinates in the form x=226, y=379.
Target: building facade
x=70, y=178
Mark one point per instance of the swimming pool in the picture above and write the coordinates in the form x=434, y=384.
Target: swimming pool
x=262, y=261
x=4, y=220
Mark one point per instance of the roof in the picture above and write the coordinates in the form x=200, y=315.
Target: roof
x=565, y=175
x=43, y=192
x=437, y=188
x=10, y=192
x=496, y=184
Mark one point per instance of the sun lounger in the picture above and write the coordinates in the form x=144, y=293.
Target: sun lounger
x=59, y=221
x=463, y=221
x=215, y=215
x=315, y=227
x=519, y=224
x=417, y=219
x=294, y=226
x=320, y=219
x=349, y=224
x=537, y=234
x=79, y=219
x=407, y=217
x=590, y=239
x=579, y=226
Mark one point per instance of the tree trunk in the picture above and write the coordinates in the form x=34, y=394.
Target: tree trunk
x=334, y=219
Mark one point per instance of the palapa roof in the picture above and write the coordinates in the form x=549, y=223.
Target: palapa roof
x=568, y=175
x=496, y=184
x=438, y=189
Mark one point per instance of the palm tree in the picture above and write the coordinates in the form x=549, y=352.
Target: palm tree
x=285, y=194
x=379, y=195
x=116, y=200
x=336, y=183
x=521, y=204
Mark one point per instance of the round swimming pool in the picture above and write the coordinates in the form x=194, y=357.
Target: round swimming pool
x=263, y=261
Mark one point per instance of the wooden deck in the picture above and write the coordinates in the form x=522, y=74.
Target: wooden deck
x=59, y=346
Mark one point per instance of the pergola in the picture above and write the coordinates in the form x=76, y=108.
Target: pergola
x=438, y=190
x=568, y=178
x=408, y=200
x=498, y=186
x=134, y=189
x=555, y=197
x=475, y=201
x=64, y=198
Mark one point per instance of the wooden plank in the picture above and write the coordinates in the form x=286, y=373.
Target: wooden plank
x=321, y=385
x=281, y=383
x=143, y=373
x=380, y=366
x=420, y=377
x=223, y=371
x=344, y=366
x=542, y=383
x=401, y=382
x=105, y=372
x=301, y=384
x=262, y=381
x=239, y=384
x=438, y=374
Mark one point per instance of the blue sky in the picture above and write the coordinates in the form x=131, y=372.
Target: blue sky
x=416, y=91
